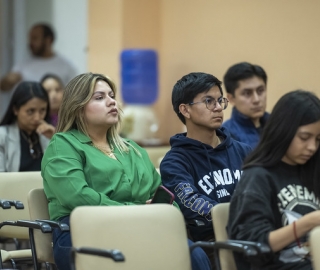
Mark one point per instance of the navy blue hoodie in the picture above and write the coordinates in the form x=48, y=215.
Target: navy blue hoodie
x=201, y=176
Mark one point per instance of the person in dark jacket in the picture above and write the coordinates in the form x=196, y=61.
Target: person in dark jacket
x=204, y=164
x=246, y=87
x=277, y=199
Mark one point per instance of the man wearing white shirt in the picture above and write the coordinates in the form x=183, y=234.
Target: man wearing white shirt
x=43, y=60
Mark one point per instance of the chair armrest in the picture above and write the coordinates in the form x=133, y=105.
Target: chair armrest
x=253, y=251
x=264, y=252
x=44, y=227
x=56, y=224
x=260, y=247
x=245, y=248
x=113, y=254
x=17, y=204
x=6, y=204
x=8, y=223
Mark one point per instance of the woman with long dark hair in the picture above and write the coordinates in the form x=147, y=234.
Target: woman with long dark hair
x=24, y=130
x=277, y=199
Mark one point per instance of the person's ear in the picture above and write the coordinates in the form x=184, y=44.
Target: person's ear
x=231, y=98
x=183, y=108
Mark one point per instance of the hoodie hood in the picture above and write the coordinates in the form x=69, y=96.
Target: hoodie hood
x=181, y=140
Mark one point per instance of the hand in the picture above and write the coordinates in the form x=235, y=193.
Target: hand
x=310, y=220
x=10, y=80
x=14, y=77
x=46, y=129
x=148, y=201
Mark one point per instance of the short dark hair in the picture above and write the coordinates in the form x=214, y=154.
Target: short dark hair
x=279, y=131
x=189, y=86
x=47, y=30
x=241, y=71
x=22, y=94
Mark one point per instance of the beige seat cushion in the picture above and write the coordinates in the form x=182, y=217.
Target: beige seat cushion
x=38, y=208
x=220, y=215
x=315, y=247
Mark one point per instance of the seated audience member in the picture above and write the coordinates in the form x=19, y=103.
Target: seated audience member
x=54, y=86
x=203, y=166
x=277, y=199
x=246, y=87
x=88, y=163
x=24, y=130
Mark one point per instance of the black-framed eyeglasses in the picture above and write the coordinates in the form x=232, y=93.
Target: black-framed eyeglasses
x=211, y=103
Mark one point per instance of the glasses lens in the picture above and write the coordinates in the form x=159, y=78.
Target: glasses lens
x=225, y=103
x=212, y=103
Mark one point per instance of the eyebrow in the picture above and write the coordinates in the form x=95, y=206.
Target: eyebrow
x=37, y=108
x=251, y=89
x=307, y=133
x=207, y=96
x=98, y=92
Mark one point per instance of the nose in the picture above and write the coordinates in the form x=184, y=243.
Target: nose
x=313, y=145
x=110, y=101
x=255, y=97
x=52, y=94
x=217, y=107
x=37, y=117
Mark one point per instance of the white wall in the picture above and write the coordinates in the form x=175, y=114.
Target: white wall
x=70, y=18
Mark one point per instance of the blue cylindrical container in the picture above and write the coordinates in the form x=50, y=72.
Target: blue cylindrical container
x=139, y=76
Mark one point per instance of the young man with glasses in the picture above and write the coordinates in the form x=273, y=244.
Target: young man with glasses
x=246, y=87
x=204, y=164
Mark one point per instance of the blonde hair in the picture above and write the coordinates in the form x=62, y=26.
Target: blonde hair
x=77, y=94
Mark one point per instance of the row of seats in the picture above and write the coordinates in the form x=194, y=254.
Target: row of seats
x=16, y=186
x=135, y=237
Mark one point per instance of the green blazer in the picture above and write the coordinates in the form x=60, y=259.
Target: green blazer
x=75, y=173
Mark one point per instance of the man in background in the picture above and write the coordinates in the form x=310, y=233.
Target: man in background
x=246, y=86
x=43, y=60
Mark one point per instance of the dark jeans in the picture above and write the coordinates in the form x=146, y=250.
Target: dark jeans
x=62, y=246
x=199, y=259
